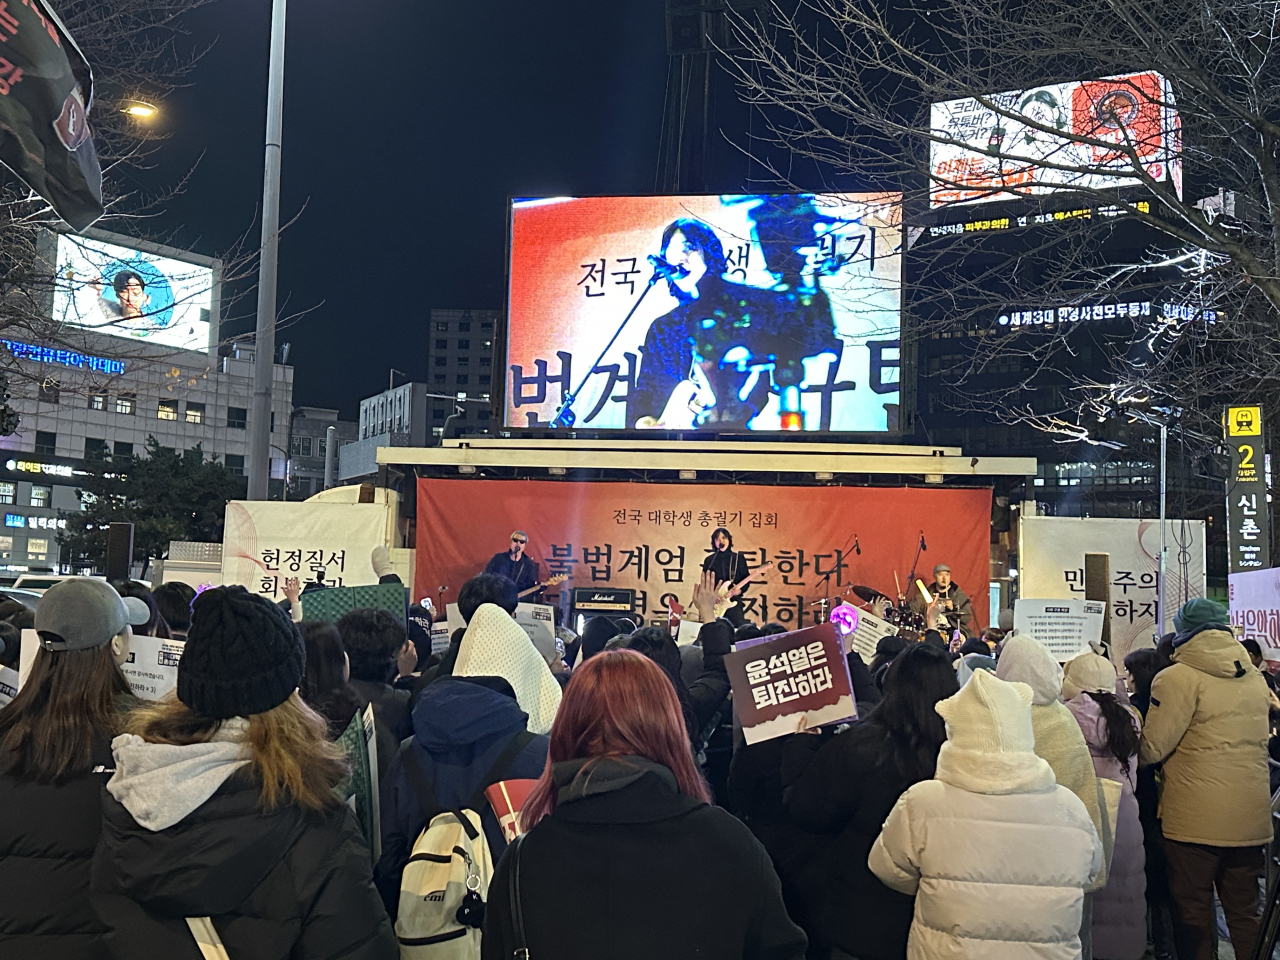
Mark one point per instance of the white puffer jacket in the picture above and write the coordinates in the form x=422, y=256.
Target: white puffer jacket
x=997, y=855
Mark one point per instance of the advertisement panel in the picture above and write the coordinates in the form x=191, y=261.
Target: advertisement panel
x=1062, y=136
x=652, y=538
x=127, y=292
x=1051, y=566
x=753, y=312
x=1248, y=518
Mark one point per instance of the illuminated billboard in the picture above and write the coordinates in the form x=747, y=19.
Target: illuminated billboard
x=1055, y=137
x=133, y=293
x=752, y=312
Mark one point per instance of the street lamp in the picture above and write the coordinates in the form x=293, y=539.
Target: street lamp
x=139, y=109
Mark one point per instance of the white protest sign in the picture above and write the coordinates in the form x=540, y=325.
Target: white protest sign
x=1051, y=565
x=869, y=632
x=538, y=622
x=453, y=619
x=1254, y=598
x=8, y=685
x=152, y=666
x=688, y=633
x=440, y=634
x=1065, y=628
x=267, y=542
x=27, y=655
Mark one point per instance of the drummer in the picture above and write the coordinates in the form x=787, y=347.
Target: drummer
x=955, y=606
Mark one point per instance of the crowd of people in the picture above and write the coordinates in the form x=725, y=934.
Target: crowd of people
x=987, y=802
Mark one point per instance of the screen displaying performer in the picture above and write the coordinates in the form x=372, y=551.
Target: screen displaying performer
x=513, y=564
x=954, y=605
x=761, y=312
x=729, y=566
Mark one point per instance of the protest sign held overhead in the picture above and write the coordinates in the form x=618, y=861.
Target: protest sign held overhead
x=790, y=682
x=1065, y=628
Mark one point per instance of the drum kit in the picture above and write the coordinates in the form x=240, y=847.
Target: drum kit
x=872, y=600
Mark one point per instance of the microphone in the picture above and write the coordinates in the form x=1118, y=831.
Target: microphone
x=666, y=269
x=923, y=546
x=857, y=547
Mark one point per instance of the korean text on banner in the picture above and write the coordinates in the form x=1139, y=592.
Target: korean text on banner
x=266, y=543
x=152, y=666
x=1255, y=608
x=791, y=682
x=869, y=632
x=1065, y=628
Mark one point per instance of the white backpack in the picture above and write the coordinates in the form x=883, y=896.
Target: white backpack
x=446, y=879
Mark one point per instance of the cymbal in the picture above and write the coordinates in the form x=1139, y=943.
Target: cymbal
x=867, y=593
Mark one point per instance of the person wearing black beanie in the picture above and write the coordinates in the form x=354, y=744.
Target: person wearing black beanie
x=223, y=805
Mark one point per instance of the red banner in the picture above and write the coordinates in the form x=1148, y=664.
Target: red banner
x=653, y=537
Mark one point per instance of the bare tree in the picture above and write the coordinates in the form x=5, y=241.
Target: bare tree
x=852, y=85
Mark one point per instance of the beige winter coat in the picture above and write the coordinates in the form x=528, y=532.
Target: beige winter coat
x=1208, y=723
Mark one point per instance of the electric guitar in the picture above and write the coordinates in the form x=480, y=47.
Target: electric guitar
x=728, y=591
x=549, y=582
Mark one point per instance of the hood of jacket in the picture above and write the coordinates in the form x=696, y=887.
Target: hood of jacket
x=1214, y=651
x=206, y=864
x=452, y=714
x=161, y=783
x=1024, y=660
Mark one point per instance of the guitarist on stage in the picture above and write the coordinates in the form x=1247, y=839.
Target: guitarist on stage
x=515, y=566
x=729, y=567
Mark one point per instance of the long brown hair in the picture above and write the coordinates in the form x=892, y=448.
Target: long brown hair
x=70, y=702
x=287, y=747
x=619, y=703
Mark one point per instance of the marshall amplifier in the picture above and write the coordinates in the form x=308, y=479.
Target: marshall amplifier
x=608, y=600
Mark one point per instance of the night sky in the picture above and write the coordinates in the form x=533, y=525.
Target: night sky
x=407, y=126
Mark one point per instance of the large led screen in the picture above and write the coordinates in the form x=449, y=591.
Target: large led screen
x=130, y=293
x=753, y=312
x=1060, y=136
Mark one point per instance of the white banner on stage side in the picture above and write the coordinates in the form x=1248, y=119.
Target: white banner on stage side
x=1051, y=554
x=152, y=666
x=267, y=542
x=1065, y=628
x=869, y=632
x=1255, y=608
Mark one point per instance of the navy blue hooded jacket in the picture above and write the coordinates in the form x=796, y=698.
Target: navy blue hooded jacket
x=459, y=730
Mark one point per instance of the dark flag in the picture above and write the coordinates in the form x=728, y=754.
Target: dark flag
x=46, y=88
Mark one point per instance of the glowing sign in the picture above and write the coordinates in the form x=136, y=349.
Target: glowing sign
x=63, y=358
x=31, y=466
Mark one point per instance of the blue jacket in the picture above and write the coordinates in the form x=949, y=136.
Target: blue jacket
x=459, y=730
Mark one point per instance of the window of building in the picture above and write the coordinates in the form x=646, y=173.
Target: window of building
x=94, y=449
x=485, y=379
x=195, y=412
x=437, y=413
x=6, y=546
x=464, y=325
x=8, y=493
x=464, y=361
x=126, y=403
x=98, y=401
x=442, y=344
x=306, y=446
x=295, y=446
x=437, y=431
x=322, y=446
x=442, y=361
x=38, y=548
x=273, y=422
x=440, y=378
x=442, y=326
x=46, y=442
x=461, y=378
x=482, y=415
x=167, y=410
x=41, y=495
x=237, y=418
x=487, y=344
x=464, y=344
x=122, y=449
x=486, y=361
x=235, y=464
x=486, y=325
x=49, y=392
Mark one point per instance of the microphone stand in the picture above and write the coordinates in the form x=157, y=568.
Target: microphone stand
x=912, y=578
x=565, y=417
x=825, y=603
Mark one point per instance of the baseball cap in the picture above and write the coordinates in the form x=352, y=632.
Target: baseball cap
x=83, y=613
x=941, y=568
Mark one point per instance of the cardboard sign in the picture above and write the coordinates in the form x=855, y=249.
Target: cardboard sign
x=440, y=634
x=359, y=789
x=688, y=633
x=332, y=603
x=538, y=622
x=869, y=632
x=1065, y=628
x=152, y=666
x=791, y=682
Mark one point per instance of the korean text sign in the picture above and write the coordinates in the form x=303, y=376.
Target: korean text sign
x=791, y=682
x=1248, y=522
x=1255, y=608
x=1055, y=137
x=654, y=538
x=776, y=306
x=1065, y=628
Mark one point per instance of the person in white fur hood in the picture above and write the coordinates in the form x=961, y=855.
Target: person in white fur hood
x=996, y=854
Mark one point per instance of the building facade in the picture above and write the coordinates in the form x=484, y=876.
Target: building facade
x=309, y=444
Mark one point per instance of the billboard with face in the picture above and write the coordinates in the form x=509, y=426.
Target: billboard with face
x=760, y=312
x=1087, y=134
x=132, y=293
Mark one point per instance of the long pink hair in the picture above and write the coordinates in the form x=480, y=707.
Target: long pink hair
x=618, y=703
